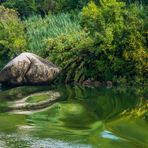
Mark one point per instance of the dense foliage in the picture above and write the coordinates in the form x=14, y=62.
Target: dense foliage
x=136, y=1
x=111, y=47
x=99, y=39
x=43, y=7
x=72, y=53
x=12, y=37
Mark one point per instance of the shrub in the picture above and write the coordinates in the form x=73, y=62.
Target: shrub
x=74, y=53
x=119, y=32
x=12, y=38
x=111, y=47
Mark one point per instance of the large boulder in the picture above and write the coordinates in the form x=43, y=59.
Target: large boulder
x=28, y=68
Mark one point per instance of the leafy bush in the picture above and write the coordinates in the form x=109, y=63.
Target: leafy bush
x=111, y=47
x=38, y=29
x=119, y=32
x=12, y=37
x=74, y=53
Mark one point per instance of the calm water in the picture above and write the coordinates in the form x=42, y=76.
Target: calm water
x=80, y=118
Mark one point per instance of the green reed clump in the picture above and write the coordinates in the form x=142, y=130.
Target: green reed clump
x=38, y=29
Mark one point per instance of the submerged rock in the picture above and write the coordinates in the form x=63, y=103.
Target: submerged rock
x=28, y=68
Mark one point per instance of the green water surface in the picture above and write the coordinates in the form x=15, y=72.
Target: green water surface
x=80, y=118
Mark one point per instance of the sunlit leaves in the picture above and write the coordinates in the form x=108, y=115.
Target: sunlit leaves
x=12, y=37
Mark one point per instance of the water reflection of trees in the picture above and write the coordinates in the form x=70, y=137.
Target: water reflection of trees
x=104, y=103
x=79, y=112
x=108, y=103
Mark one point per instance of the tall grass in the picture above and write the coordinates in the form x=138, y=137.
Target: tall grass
x=38, y=29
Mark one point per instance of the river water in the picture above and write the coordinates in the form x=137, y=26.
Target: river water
x=79, y=118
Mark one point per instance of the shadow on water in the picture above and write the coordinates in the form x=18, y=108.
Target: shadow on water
x=82, y=117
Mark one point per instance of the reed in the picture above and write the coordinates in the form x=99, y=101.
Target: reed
x=38, y=29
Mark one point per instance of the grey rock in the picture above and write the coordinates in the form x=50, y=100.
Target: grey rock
x=28, y=68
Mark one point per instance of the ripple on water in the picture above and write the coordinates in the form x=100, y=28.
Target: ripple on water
x=82, y=118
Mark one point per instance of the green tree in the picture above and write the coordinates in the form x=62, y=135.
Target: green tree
x=24, y=7
x=119, y=31
x=30, y=7
x=12, y=37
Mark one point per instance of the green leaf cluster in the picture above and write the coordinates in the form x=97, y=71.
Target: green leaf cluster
x=111, y=46
x=12, y=37
x=73, y=53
